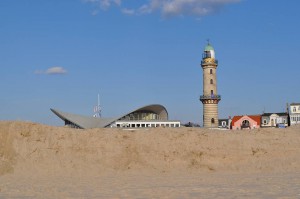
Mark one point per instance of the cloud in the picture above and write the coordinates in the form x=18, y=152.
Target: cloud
x=167, y=7
x=128, y=11
x=56, y=70
x=104, y=4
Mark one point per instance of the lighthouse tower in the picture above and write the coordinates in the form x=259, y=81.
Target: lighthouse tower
x=210, y=97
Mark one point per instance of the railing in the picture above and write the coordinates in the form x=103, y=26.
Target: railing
x=205, y=97
x=209, y=62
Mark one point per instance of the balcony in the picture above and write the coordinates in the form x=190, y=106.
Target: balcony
x=210, y=97
x=204, y=62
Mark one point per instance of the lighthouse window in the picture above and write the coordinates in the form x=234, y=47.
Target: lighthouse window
x=211, y=92
x=206, y=54
x=211, y=81
x=212, y=120
x=211, y=72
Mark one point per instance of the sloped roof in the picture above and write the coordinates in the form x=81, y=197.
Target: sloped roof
x=256, y=118
x=84, y=122
x=87, y=122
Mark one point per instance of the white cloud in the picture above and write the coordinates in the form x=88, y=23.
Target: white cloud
x=104, y=4
x=56, y=70
x=128, y=11
x=167, y=7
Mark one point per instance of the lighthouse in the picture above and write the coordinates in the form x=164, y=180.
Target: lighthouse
x=210, y=97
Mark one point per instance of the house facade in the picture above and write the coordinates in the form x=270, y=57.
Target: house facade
x=274, y=119
x=246, y=122
x=294, y=113
x=224, y=123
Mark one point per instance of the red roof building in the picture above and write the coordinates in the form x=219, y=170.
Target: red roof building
x=246, y=122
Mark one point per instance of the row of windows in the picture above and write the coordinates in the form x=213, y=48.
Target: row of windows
x=295, y=118
x=272, y=121
x=146, y=125
x=141, y=116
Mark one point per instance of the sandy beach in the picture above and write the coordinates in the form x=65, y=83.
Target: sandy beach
x=39, y=161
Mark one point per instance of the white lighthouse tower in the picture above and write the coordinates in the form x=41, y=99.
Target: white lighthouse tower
x=210, y=97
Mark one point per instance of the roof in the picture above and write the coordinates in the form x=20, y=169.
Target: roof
x=256, y=118
x=208, y=47
x=87, y=122
x=293, y=104
x=279, y=114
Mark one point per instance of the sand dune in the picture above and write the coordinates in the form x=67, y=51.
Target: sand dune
x=35, y=151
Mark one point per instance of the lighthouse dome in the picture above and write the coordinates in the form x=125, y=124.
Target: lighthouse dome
x=208, y=47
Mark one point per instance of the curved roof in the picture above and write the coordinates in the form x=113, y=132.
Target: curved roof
x=208, y=47
x=87, y=122
x=156, y=108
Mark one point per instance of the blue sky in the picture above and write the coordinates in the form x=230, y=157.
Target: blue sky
x=62, y=53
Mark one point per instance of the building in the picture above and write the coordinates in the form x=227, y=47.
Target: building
x=246, y=122
x=210, y=97
x=294, y=113
x=148, y=116
x=274, y=120
x=224, y=123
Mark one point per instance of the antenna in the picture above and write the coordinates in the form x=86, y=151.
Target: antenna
x=97, y=109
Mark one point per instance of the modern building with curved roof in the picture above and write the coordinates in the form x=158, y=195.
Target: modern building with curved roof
x=154, y=115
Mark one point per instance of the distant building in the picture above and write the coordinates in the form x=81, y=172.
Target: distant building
x=246, y=122
x=145, y=117
x=295, y=113
x=274, y=119
x=224, y=123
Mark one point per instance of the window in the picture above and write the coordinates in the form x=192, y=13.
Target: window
x=245, y=124
x=294, y=109
x=265, y=121
x=206, y=54
x=223, y=123
x=211, y=92
x=212, y=120
x=211, y=81
x=211, y=72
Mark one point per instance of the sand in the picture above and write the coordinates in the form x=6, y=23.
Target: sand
x=39, y=161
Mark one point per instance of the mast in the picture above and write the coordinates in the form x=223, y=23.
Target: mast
x=97, y=109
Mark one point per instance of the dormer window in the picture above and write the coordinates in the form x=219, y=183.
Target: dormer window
x=294, y=109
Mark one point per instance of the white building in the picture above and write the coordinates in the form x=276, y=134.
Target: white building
x=295, y=113
x=274, y=119
x=154, y=115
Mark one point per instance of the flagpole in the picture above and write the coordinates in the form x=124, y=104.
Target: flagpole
x=99, y=108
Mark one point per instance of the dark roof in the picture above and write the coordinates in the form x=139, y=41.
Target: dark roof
x=293, y=104
x=223, y=119
x=279, y=114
